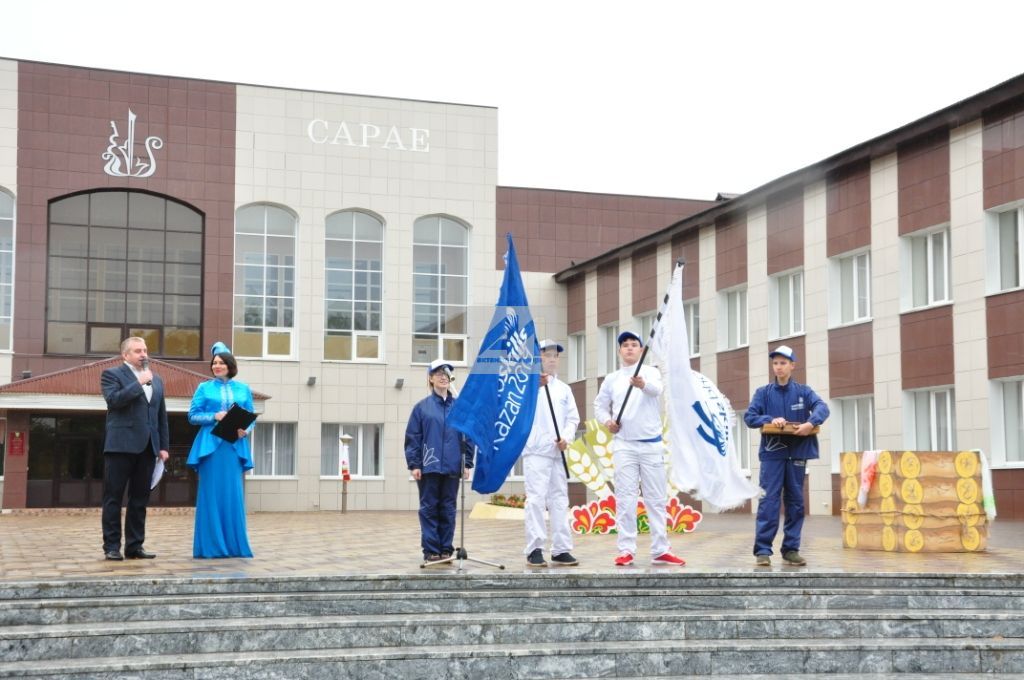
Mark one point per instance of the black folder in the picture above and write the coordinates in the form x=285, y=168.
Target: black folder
x=237, y=418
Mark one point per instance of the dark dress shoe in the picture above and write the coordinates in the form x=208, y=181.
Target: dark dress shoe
x=139, y=554
x=113, y=555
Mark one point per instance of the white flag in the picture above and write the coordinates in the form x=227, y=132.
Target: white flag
x=700, y=442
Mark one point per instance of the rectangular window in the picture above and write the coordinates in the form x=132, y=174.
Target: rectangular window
x=6, y=273
x=786, y=305
x=929, y=271
x=608, y=359
x=577, y=357
x=850, y=278
x=857, y=418
x=273, y=450
x=691, y=311
x=932, y=420
x=364, y=449
x=353, y=290
x=741, y=439
x=1009, y=249
x=733, y=324
x=265, y=269
x=440, y=253
x=1013, y=421
x=644, y=324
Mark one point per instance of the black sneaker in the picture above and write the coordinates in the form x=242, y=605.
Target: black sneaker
x=536, y=559
x=793, y=558
x=564, y=560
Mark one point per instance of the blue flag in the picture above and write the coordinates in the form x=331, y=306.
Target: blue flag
x=496, y=405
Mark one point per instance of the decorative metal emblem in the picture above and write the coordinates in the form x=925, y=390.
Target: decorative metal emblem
x=121, y=160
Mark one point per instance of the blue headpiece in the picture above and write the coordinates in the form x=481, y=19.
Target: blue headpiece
x=219, y=348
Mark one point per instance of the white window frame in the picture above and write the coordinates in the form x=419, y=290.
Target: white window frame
x=608, y=354
x=741, y=439
x=691, y=312
x=847, y=409
x=643, y=323
x=1007, y=440
x=276, y=430
x=359, y=450
x=577, y=369
x=733, y=324
x=926, y=243
x=920, y=422
x=1004, y=261
x=268, y=331
x=8, y=277
x=854, y=267
x=355, y=272
x=443, y=339
x=786, y=294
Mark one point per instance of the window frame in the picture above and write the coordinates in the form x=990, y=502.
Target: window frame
x=794, y=279
x=357, y=450
x=742, y=445
x=736, y=317
x=267, y=333
x=275, y=428
x=7, y=298
x=912, y=419
x=691, y=311
x=909, y=246
x=995, y=251
x=1000, y=444
x=443, y=339
x=354, y=334
x=608, y=356
x=577, y=368
x=860, y=288
x=840, y=415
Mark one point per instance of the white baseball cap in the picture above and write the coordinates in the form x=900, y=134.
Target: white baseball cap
x=783, y=351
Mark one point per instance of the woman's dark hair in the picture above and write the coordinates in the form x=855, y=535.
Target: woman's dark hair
x=229, y=360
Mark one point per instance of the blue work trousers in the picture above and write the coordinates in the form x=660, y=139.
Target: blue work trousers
x=438, y=496
x=782, y=480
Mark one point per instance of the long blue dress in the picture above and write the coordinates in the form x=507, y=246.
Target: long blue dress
x=220, y=529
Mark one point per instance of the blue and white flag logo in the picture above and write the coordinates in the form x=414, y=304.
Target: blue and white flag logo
x=496, y=406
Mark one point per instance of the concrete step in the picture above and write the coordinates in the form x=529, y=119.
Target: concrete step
x=168, y=637
x=602, y=659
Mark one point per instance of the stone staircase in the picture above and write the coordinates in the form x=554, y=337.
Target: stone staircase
x=557, y=624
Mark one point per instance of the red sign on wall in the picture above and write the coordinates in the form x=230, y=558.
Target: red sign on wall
x=16, y=444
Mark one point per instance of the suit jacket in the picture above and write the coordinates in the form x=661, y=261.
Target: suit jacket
x=132, y=422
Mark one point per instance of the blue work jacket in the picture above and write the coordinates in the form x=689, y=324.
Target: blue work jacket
x=796, y=403
x=431, y=444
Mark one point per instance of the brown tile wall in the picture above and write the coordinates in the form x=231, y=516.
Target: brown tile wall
x=1008, y=486
x=785, y=231
x=687, y=247
x=552, y=229
x=848, y=209
x=926, y=347
x=576, y=304
x=646, y=296
x=923, y=171
x=733, y=373
x=64, y=116
x=579, y=393
x=851, y=365
x=730, y=251
x=608, y=293
x=1004, y=317
x=1003, y=155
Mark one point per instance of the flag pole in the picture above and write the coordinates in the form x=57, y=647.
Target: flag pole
x=554, y=421
x=647, y=345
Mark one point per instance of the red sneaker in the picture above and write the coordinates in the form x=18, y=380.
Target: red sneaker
x=668, y=558
x=624, y=560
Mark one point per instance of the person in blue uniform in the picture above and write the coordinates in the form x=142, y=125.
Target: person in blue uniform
x=784, y=456
x=437, y=457
x=220, y=528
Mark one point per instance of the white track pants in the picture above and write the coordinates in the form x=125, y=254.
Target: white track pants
x=640, y=464
x=546, y=488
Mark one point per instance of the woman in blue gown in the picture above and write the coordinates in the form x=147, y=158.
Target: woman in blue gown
x=220, y=529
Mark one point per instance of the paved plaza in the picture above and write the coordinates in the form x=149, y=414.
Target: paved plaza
x=59, y=544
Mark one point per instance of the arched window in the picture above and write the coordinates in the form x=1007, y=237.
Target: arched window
x=123, y=263
x=6, y=268
x=353, y=269
x=440, y=284
x=264, y=318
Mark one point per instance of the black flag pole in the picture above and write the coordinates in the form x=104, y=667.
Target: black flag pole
x=554, y=421
x=647, y=345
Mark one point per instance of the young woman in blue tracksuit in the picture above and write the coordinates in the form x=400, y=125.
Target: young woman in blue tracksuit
x=784, y=457
x=434, y=453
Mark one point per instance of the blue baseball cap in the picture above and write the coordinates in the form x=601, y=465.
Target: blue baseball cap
x=629, y=335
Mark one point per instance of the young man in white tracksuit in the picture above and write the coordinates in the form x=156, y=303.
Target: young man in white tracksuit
x=637, y=451
x=546, y=484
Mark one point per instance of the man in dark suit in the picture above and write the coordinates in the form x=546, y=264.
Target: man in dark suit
x=136, y=435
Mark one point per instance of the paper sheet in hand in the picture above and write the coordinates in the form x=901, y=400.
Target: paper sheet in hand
x=158, y=472
x=237, y=418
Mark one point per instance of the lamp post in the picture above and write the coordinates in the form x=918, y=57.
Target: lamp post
x=345, y=440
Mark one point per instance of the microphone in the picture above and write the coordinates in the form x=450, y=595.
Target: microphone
x=145, y=367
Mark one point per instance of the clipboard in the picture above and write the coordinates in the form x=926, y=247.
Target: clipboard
x=788, y=428
x=237, y=418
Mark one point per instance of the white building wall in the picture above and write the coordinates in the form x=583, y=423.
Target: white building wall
x=277, y=162
x=757, y=322
x=708, y=304
x=967, y=244
x=819, y=472
x=885, y=303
